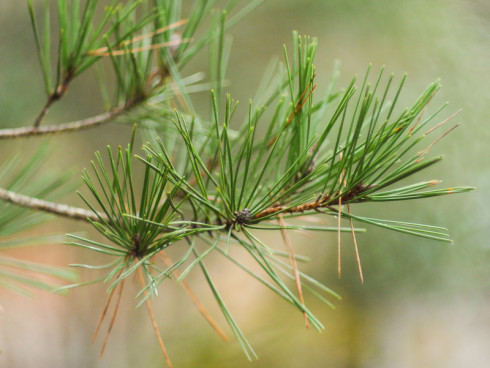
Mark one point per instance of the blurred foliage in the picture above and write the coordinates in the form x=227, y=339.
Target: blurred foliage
x=17, y=274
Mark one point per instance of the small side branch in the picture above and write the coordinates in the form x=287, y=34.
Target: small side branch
x=43, y=112
x=54, y=96
x=312, y=206
x=324, y=201
x=62, y=128
x=59, y=209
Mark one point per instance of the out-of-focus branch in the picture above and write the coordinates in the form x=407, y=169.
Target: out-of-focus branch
x=62, y=128
x=59, y=209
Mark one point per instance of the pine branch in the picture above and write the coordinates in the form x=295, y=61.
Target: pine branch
x=66, y=127
x=213, y=186
x=63, y=210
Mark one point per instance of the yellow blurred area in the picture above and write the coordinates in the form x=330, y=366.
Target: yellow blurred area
x=423, y=304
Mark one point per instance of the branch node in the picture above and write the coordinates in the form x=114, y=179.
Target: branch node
x=243, y=217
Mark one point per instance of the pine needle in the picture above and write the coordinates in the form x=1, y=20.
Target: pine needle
x=425, y=151
x=153, y=322
x=443, y=122
x=104, y=51
x=116, y=307
x=338, y=237
x=140, y=49
x=292, y=260
x=196, y=301
x=421, y=114
x=339, y=263
x=355, y=246
x=104, y=312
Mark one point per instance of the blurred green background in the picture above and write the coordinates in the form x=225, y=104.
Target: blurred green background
x=423, y=304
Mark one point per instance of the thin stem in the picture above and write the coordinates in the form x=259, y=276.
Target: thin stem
x=62, y=128
x=56, y=95
x=43, y=112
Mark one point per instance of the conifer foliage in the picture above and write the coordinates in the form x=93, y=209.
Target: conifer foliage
x=210, y=183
